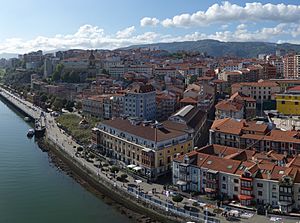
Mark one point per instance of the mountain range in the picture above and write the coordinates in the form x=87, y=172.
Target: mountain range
x=217, y=48
x=8, y=55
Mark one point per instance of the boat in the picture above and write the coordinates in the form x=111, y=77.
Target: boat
x=26, y=119
x=30, y=133
x=40, y=126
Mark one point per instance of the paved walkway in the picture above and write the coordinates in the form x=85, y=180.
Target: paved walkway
x=66, y=143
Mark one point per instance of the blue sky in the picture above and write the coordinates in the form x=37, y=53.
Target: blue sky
x=62, y=24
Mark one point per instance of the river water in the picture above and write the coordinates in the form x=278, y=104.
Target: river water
x=33, y=190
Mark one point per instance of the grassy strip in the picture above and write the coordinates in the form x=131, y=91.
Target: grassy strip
x=70, y=123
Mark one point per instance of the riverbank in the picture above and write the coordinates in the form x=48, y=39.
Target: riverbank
x=129, y=206
x=62, y=166
x=134, y=197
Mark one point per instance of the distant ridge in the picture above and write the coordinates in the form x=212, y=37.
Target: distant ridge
x=8, y=55
x=217, y=48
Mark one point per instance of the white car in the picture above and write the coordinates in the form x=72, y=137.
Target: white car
x=275, y=219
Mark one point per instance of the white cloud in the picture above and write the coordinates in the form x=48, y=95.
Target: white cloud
x=225, y=26
x=147, y=21
x=241, y=26
x=126, y=33
x=228, y=12
x=89, y=36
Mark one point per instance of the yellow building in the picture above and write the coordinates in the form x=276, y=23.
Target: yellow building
x=288, y=103
x=144, y=146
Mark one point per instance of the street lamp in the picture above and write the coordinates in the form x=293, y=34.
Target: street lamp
x=206, y=215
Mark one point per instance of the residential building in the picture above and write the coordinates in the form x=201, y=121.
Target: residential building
x=194, y=120
x=238, y=106
x=105, y=106
x=231, y=76
x=139, y=101
x=288, y=103
x=291, y=66
x=250, y=178
x=254, y=135
x=165, y=105
x=261, y=91
x=228, y=131
x=150, y=146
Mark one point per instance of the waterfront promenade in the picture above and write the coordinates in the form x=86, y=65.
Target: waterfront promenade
x=140, y=194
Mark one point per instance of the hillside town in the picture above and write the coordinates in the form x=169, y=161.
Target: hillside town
x=226, y=128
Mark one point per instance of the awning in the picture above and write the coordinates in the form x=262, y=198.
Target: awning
x=210, y=190
x=245, y=178
x=131, y=166
x=245, y=197
x=285, y=203
x=234, y=212
x=212, y=171
x=181, y=183
x=138, y=181
x=137, y=168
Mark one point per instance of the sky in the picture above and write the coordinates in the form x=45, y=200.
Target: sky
x=108, y=24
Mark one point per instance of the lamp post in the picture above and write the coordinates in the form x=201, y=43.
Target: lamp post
x=206, y=216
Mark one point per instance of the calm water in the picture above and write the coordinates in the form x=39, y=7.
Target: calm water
x=32, y=190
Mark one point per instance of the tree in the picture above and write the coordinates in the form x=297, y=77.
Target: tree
x=74, y=77
x=177, y=199
x=114, y=169
x=78, y=105
x=56, y=76
x=105, y=72
x=65, y=77
x=43, y=98
x=69, y=106
x=79, y=149
x=124, y=176
x=193, y=79
x=57, y=104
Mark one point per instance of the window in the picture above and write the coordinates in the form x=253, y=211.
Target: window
x=259, y=193
x=283, y=102
x=236, y=189
x=223, y=186
x=260, y=185
x=236, y=181
x=224, y=178
x=169, y=159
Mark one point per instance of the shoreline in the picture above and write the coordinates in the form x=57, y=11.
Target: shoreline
x=135, y=210
x=118, y=195
x=62, y=166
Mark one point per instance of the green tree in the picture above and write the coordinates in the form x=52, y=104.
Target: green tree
x=193, y=79
x=57, y=104
x=69, y=106
x=43, y=98
x=114, y=169
x=104, y=71
x=56, y=76
x=65, y=77
x=74, y=77
x=177, y=199
x=78, y=105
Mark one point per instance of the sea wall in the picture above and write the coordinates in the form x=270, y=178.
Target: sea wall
x=104, y=186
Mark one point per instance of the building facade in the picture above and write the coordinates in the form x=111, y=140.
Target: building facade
x=140, y=102
x=248, y=177
x=150, y=146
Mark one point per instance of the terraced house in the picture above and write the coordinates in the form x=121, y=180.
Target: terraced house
x=246, y=176
x=254, y=135
x=149, y=146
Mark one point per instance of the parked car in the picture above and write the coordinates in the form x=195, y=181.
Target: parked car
x=208, y=213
